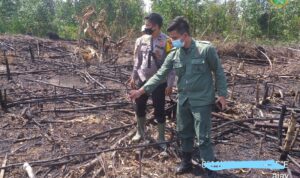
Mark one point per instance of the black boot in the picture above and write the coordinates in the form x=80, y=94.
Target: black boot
x=186, y=163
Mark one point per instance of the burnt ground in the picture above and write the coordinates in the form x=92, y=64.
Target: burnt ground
x=70, y=119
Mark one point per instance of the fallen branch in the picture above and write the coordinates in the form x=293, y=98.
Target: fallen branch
x=29, y=170
x=278, y=108
x=21, y=139
x=295, y=137
x=241, y=121
x=55, y=98
x=79, y=103
x=272, y=125
x=41, y=162
x=3, y=164
x=94, y=80
x=109, y=131
x=294, y=161
x=29, y=72
x=88, y=167
x=128, y=135
x=60, y=56
x=292, y=49
x=127, y=111
x=59, y=86
x=87, y=108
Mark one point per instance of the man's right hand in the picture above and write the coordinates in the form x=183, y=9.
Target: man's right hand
x=132, y=84
x=222, y=102
x=134, y=94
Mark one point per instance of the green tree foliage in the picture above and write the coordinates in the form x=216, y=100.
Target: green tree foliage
x=42, y=16
x=230, y=19
x=65, y=19
x=8, y=14
x=244, y=19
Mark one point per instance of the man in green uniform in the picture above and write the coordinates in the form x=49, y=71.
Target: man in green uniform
x=200, y=74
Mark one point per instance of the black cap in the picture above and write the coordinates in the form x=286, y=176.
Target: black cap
x=155, y=18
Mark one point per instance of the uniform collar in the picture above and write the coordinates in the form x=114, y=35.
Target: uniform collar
x=188, y=50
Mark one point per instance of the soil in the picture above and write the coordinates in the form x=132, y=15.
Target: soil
x=61, y=113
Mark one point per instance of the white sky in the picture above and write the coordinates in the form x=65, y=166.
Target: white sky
x=147, y=7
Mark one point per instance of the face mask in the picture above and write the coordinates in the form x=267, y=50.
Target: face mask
x=177, y=43
x=149, y=31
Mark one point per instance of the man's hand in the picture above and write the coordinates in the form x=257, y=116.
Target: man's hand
x=134, y=94
x=222, y=101
x=169, y=91
x=132, y=83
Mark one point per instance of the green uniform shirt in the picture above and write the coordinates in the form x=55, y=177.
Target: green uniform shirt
x=194, y=68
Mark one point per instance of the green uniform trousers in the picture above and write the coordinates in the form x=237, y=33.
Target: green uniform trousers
x=193, y=120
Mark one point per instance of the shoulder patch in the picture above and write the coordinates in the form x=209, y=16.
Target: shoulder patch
x=168, y=45
x=173, y=49
x=202, y=46
x=205, y=42
x=145, y=38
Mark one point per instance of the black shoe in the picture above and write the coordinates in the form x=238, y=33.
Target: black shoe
x=186, y=163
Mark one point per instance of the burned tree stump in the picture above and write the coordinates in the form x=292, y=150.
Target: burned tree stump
x=7, y=66
x=289, y=137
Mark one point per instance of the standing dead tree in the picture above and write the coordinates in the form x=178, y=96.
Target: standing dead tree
x=93, y=26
